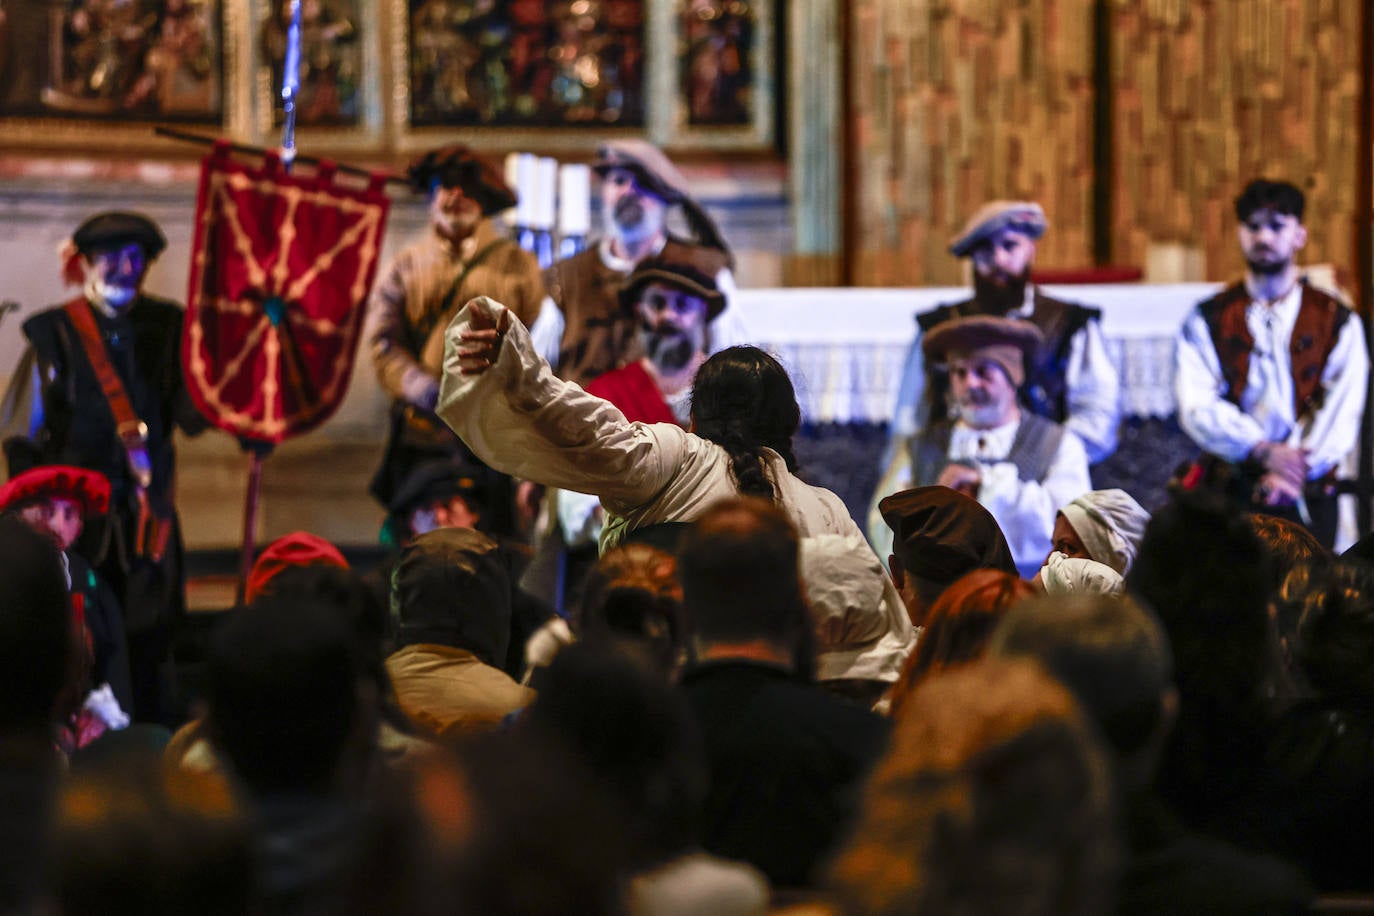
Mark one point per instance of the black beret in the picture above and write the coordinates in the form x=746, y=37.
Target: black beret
x=115, y=228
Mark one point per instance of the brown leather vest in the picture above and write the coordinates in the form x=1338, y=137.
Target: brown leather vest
x=1318, y=325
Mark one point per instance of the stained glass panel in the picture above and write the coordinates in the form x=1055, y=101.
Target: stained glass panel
x=556, y=63
x=717, y=58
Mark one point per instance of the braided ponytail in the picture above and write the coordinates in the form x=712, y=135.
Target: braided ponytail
x=744, y=402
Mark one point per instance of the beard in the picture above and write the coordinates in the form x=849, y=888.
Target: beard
x=671, y=349
x=629, y=213
x=1000, y=295
x=1266, y=268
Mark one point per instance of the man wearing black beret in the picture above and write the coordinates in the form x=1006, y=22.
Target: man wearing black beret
x=104, y=380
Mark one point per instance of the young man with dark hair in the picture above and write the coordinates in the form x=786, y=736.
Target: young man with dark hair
x=1270, y=374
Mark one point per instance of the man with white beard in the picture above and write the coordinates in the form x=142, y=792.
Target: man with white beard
x=112, y=344
x=583, y=330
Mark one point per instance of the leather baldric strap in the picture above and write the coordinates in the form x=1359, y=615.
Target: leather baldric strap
x=152, y=532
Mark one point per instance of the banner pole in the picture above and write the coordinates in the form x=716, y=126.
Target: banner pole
x=290, y=85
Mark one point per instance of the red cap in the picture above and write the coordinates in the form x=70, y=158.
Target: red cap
x=299, y=548
x=89, y=488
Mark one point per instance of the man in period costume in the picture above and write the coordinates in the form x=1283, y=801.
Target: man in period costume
x=1270, y=374
x=1019, y=465
x=463, y=255
x=587, y=331
x=107, y=393
x=1070, y=378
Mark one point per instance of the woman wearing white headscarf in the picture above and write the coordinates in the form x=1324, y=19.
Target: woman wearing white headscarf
x=1101, y=525
x=1063, y=575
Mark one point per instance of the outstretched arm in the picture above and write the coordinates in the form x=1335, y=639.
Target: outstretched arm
x=504, y=401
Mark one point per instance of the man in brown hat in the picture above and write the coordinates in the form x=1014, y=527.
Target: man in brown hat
x=1019, y=465
x=104, y=384
x=1070, y=376
x=461, y=256
x=588, y=331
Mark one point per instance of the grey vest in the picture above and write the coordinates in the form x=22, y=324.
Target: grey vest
x=1032, y=449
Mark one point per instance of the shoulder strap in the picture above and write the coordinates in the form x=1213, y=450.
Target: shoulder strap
x=132, y=432
x=432, y=318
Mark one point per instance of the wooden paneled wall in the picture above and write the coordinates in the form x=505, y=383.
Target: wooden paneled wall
x=1208, y=95
x=955, y=102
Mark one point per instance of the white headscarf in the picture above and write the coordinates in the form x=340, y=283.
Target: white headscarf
x=862, y=628
x=1111, y=524
x=1063, y=575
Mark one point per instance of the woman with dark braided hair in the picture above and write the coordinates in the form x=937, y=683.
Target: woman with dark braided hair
x=501, y=398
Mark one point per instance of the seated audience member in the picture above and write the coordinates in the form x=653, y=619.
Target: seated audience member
x=959, y=624
x=452, y=493
x=351, y=600
x=135, y=839
x=37, y=657
x=1113, y=655
x=785, y=757
x=1203, y=571
x=939, y=534
x=287, y=712
x=1063, y=575
x=1101, y=525
x=636, y=735
x=450, y=622
x=1321, y=757
x=55, y=500
x=856, y=611
x=994, y=798
x=1019, y=465
x=290, y=551
x=631, y=600
x=1296, y=557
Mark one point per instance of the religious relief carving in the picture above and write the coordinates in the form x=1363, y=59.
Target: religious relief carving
x=717, y=52
x=331, y=66
x=557, y=63
x=117, y=58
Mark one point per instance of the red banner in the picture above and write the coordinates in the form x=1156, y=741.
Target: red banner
x=281, y=266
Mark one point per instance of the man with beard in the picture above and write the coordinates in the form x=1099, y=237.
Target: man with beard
x=1070, y=378
x=104, y=381
x=585, y=331
x=463, y=255
x=1020, y=466
x=1270, y=374
x=675, y=307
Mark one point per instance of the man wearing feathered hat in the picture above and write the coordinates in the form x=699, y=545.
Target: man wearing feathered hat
x=1019, y=465
x=588, y=331
x=103, y=375
x=462, y=255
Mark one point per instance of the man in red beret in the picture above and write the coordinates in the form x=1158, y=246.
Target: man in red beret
x=103, y=375
x=461, y=255
x=587, y=330
x=1019, y=465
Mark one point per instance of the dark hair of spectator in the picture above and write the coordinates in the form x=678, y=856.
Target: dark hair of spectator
x=1335, y=637
x=960, y=623
x=743, y=401
x=636, y=733
x=1263, y=194
x=632, y=599
x=1288, y=545
x=36, y=631
x=282, y=694
x=740, y=579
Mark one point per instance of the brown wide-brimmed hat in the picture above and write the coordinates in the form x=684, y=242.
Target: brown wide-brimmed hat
x=1022, y=215
x=1006, y=341
x=458, y=166
x=685, y=277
